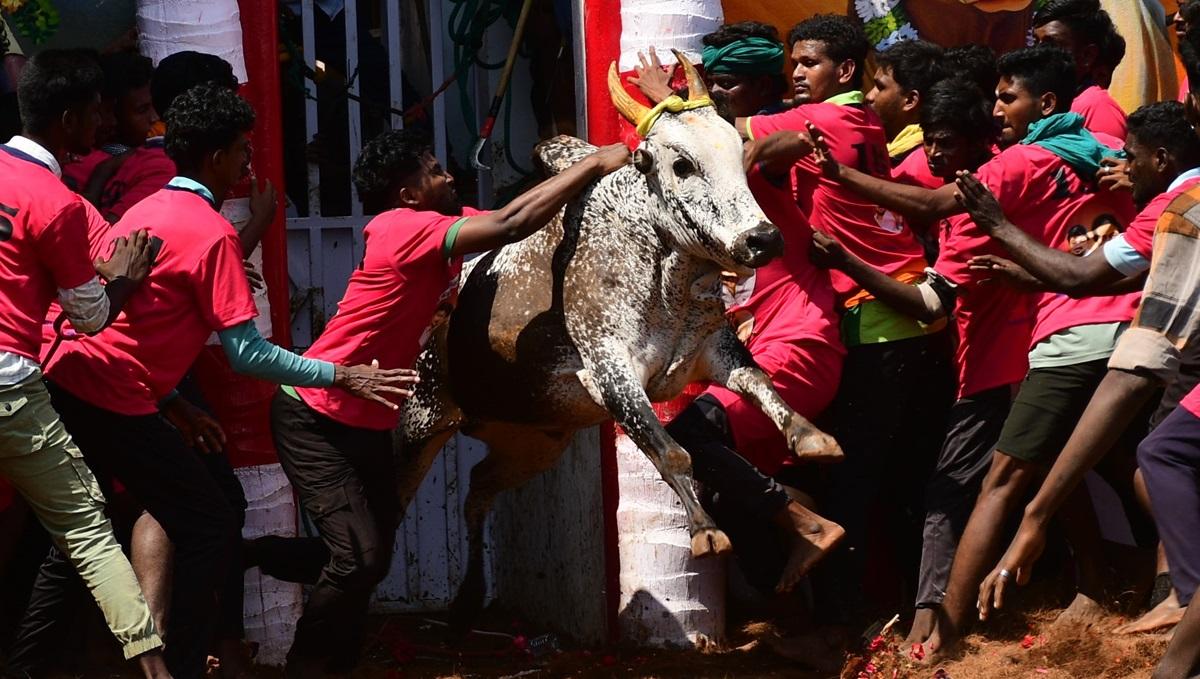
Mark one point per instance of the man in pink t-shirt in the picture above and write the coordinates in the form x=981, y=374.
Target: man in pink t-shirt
x=1086, y=31
x=43, y=257
x=1043, y=179
x=993, y=324
x=109, y=387
x=897, y=384
x=338, y=452
x=1164, y=164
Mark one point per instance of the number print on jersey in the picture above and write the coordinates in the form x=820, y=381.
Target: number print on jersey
x=6, y=225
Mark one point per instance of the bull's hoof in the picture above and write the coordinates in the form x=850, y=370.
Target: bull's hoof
x=813, y=445
x=710, y=541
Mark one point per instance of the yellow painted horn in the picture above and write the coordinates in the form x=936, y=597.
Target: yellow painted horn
x=633, y=110
x=696, y=88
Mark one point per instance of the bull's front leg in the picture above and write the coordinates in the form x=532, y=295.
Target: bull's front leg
x=730, y=364
x=611, y=380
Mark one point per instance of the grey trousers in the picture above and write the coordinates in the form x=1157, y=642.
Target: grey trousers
x=974, y=427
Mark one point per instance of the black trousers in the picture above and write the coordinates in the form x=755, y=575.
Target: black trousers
x=889, y=416
x=739, y=498
x=172, y=482
x=346, y=480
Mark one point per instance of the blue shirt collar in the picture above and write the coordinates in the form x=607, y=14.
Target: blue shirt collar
x=189, y=184
x=1193, y=173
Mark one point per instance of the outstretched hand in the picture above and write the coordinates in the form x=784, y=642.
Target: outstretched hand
x=612, y=157
x=652, y=78
x=1015, y=568
x=1005, y=271
x=979, y=202
x=826, y=252
x=1113, y=175
x=131, y=258
x=372, y=383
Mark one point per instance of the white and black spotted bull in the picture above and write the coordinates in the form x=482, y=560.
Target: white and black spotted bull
x=612, y=306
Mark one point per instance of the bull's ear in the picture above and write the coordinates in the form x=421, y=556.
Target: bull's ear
x=643, y=160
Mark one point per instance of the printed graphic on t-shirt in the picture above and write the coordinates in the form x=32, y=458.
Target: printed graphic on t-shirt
x=736, y=292
x=1090, y=229
x=447, y=301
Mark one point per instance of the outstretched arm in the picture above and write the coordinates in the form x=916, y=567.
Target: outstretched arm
x=1119, y=397
x=1060, y=271
x=914, y=202
x=907, y=299
x=533, y=209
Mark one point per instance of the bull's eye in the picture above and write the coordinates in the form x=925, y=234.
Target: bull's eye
x=683, y=168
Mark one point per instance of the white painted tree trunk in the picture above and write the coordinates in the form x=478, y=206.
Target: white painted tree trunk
x=667, y=597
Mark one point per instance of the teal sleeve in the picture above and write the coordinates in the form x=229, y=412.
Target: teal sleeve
x=250, y=354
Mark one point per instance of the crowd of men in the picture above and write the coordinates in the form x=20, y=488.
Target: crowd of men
x=988, y=291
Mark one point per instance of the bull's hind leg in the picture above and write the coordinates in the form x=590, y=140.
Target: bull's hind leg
x=612, y=381
x=515, y=455
x=730, y=364
x=428, y=419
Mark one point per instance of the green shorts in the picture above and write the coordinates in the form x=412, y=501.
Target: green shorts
x=1047, y=408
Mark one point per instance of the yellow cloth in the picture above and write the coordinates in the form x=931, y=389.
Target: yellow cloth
x=1147, y=73
x=674, y=104
x=909, y=138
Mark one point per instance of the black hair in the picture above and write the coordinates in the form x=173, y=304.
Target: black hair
x=55, y=81
x=728, y=33
x=1190, y=11
x=1042, y=69
x=1165, y=125
x=1088, y=22
x=203, y=120
x=125, y=72
x=1189, y=53
x=182, y=71
x=958, y=105
x=915, y=64
x=976, y=64
x=844, y=39
x=388, y=160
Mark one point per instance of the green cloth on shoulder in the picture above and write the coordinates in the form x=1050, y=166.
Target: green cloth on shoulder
x=1064, y=135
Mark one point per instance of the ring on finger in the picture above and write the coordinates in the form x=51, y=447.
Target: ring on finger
x=1005, y=574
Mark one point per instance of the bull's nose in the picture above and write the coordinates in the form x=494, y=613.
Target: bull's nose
x=760, y=245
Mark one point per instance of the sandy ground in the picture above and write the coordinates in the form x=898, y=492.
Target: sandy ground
x=1017, y=646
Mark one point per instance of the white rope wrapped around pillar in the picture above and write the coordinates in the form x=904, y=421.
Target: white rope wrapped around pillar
x=212, y=27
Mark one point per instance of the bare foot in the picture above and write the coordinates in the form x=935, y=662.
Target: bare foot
x=811, y=535
x=939, y=646
x=924, y=621
x=1166, y=614
x=1084, y=611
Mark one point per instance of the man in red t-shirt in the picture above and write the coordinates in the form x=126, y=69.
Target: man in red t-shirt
x=44, y=256
x=1086, y=31
x=1043, y=180
x=129, y=108
x=109, y=387
x=336, y=451
x=1164, y=159
x=993, y=324
x=896, y=384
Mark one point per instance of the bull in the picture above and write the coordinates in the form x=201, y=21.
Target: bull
x=612, y=306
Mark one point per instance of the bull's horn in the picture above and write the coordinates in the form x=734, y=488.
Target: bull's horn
x=696, y=88
x=633, y=110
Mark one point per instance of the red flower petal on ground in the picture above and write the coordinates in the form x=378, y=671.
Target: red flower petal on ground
x=917, y=652
x=1028, y=641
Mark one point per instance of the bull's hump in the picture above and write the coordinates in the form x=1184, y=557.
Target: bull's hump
x=557, y=154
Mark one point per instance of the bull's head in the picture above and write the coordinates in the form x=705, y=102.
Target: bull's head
x=692, y=160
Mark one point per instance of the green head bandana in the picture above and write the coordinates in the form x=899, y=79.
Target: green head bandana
x=748, y=56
